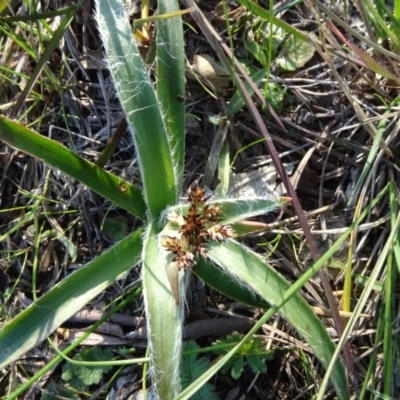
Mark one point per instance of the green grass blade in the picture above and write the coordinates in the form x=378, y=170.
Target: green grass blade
x=249, y=268
x=38, y=321
x=256, y=9
x=170, y=80
x=50, y=47
x=236, y=103
x=34, y=16
x=370, y=160
x=389, y=364
x=380, y=23
x=362, y=300
x=108, y=185
x=140, y=104
x=390, y=350
x=164, y=319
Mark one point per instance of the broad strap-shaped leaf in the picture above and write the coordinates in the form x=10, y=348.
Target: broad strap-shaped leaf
x=234, y=210
x=222, y=281
x=40, y=319
x=250, y=269
x=171, y=80
x=53, y=153
x=164, y=318
x=140, y=104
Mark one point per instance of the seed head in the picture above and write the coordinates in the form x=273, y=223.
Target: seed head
x=200, y=250
x=172, y=244
x=197, y=196
x=199, y=226
x=220, y=232
x=175, y=218
x=185, y=259
x=211, y=213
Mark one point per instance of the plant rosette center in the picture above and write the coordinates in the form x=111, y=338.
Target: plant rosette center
x=190, y=233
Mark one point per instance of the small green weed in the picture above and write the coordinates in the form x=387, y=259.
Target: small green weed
x=192, y=368
x=81, y=377
x=251, y=353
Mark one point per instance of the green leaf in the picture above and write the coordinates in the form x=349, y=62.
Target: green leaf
x=237, y=368
x=245, y=352
x=235, y=209
x=249, y=269
x=256, y=363
x=295, y=53
x=267, y=16
x=68, y=373
x=236, y=102
x=41, y=318
x=108, y=185
x=139, y=101
x=171, y=80
x=164, y=317
x=199, y=367
x=83, y=376
x=221, y=281
x=266, y=49
x=225, y=369
x=274, y=94
x=69, y=245
x=192, y=368
x=223, y=170
x=259, y=51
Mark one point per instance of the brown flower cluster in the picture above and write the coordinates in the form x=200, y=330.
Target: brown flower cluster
x=200, y=225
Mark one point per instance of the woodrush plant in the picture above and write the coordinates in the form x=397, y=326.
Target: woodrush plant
x=174, y=236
